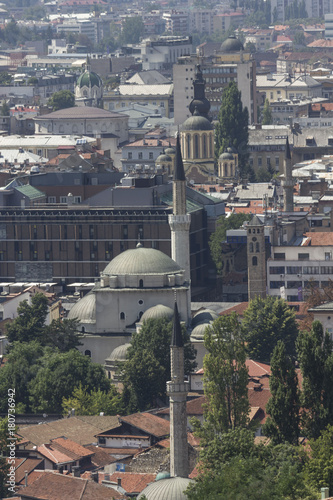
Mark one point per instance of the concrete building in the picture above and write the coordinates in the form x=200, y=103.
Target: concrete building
x=201, y=21
x=163, y=52
x=267, y=145
x=176, y=22
x=284, y=86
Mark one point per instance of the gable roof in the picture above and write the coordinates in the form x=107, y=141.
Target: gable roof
x=62, y=450
x=149, y=423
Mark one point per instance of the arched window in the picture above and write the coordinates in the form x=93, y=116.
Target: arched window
x=257, y=247
x=196, y=146
x=87, y=353
x=249, y=231
x=254, y=261
x=204, y=146
x=122, y=315
x=226, y=169
x=83, y=329
x=141, y=284
x=251, y=247
x=258, y=230
x=49, y=127
x=188, y=145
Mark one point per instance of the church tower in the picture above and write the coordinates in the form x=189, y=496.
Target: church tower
x=180, y=221
x=256, y=258
x=287, y=182
x=177, y=390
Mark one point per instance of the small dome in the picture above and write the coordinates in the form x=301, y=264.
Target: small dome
x=162, y=158
x=157, y=312
x=226, y=156
x=141, y=260
x=204, y=317
x=165, y=489
x=162, y=475
x=170, y=151
x=231, y=44
x=202, y=105
x=119, y=353
x=89, y=79
x=199, y=331
x=85, y=309
x=197, y=122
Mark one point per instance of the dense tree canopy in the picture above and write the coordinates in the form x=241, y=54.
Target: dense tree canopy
x=93, y=402
x=265, y=322
x=267, y=117
x=315, y=356
x=132, y=30
x=147, y=369
x=29, y=324
x=234, y=221
x=61, y=100
x=284, y=405
x=232, y=126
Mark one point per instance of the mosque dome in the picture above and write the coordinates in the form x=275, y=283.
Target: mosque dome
x=84, y=309
x=89, y=79
x=162, y=158
x=119, y=353
x=169, y=151
x=165, y=489
x=157, y=312
x=227, y=155
x=143, y=261
x=197, y=122
x=204, y=317
x=199, y=331
x=231, y=44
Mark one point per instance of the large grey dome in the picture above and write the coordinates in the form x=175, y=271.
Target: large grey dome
x=119, y=353
x=85, y=309
x=163, y=157
x=141, y=260
x=157, y=312
x=204, y=317
x=231, y=44
x=199, y=331
x=167, y=489
x=197, y=122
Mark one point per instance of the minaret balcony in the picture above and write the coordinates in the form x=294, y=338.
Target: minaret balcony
x=177, y=387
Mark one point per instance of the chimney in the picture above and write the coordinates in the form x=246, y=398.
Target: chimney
x=76, y=470
x=25, y=478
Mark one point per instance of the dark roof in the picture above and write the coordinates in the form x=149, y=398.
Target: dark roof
x=149, y=423
x=179, y=174
x=231, y=44
x=197, y=122
x=177, y=338
x=255, y=221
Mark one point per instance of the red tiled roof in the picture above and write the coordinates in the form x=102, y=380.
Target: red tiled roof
x=26, y=464
x=238, y=309
x=100, y=457
x=133, y=482
x=149, y=423
x=321, y=43
x=61, y=450
x=257, y=369
x=55, y=486
x=320, y=238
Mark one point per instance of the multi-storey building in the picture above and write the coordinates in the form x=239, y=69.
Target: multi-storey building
x=163, y=52
x=176, y=22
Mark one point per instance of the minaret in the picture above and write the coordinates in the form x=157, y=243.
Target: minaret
x=177, y=390
x=287, y=182
x=180, y=222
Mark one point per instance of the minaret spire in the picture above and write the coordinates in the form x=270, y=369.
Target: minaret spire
x=287, y=182
x=180, y=222
x=177, y=390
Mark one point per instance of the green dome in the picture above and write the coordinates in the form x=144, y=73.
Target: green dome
x=231, y=44
x=227, y=155
x=169, y=151
x=89, y=79
x=162, y=475
x=143, y=261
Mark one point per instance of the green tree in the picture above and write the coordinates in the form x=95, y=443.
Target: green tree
x=23, y=363
x=225, y=376
x=263, y=175
x=132, y=30
x=61, y=100
x=232, y=125
x=4, y=109
x=4, y=465
x=265, y=322
x=147, y=369
x=58, y=376
x=5, y=78
x=234, y=221
x=62, y=334
x=319, y=468
x=284, y=405
x=267, y=117
x=93, y=402
x=315, y=357
x=29, y=324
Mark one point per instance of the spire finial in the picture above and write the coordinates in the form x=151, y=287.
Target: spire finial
x=179, y=174
x=288, y=155
x=177, y=338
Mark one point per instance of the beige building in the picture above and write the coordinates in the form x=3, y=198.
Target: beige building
x=267, y=144
x=284, y=86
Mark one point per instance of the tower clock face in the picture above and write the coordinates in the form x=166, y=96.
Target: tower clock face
x=254, y=238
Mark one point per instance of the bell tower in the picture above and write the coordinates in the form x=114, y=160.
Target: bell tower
x=256, y=258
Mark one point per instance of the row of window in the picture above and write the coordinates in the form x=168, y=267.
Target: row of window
x=301, y=256
x=140, y=155
x=301, y=270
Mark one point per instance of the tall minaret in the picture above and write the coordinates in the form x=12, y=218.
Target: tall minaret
x=180, y=221
x=287, y=182
x=177, y=390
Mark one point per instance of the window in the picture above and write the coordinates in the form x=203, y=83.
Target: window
x=141, y=284
x=125, y=232
x=63, y=199
x=328, y=255
x=140, y=156
x=259, y=161
x=277, y=270
x=51, y=199
x=129, y=156
x=151, y=156
x=303, y=256
x=294, y=270
x=277, y=161
x=274, y=285
x=87, y=352
x=122, y=315
x=280, y=256
x=254, y=261
x=77, y=199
